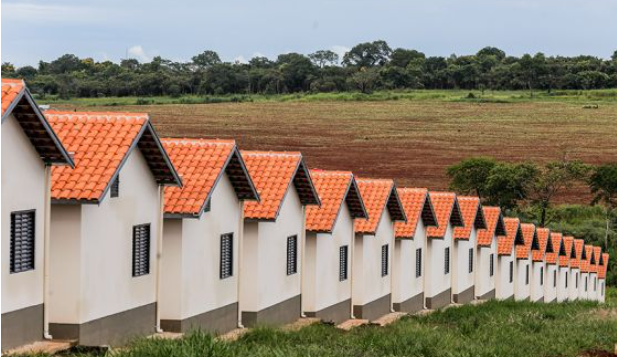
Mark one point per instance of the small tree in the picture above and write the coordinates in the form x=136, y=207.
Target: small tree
x=365, y=79
x=508, y=184
x=603, y=184
x=322, y=58
x=471, y=175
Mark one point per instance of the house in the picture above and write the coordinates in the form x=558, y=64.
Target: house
x=552, y=266
x=272, y=250
x=29, y=149
x=523, y=264
x=593, y=274
x=538, y=257
x=410, y=250
x=586, y=258
x=487, y=253
x=438, y=278
x=106, y=227
x=575, y=270
x=374, y=239
x=329, y=246
x=464, y=257
x=201, y=235
x=602, y=278
x=564, y=269
x=506, y=253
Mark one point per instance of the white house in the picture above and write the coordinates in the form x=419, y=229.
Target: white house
x=575, y=270
x=538, y=276
x=329, y=246
x=564, y=269
x=487, y=253
x=372, y=252
x=410, y=250
x=552, y=266
x=585, y=262
x=464, y=257
x=272, y=250
x=29, y=148
x=106, y=227
x=602, y=278
x=438, y=278
x=523, y=278
x=506, y=246
x=593, y=274
x=201, y=235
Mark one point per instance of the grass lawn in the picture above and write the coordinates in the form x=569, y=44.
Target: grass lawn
x=491, y=329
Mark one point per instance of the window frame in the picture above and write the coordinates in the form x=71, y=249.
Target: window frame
x=343, y=263
x=470, y=260
x=418, y=262
x=446, y=259
x=226, y=263
x=136, y=255
x=292, y=254
x=511, y=271
x=14, y=268
x=385, y=260
x=492, y=265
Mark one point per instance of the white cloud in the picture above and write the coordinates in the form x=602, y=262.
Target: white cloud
x=340, y=51
x=240, y=59
x=139, y=53
x=30, y=12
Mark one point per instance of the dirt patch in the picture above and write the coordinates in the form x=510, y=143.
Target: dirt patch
x=597, y=353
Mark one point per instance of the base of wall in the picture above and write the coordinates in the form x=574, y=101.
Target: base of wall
x=336, y=313
x=488, y=296
x=440, y=300
x=22, y=327
x=374, y=309
x=279, y=314
x=112, y=330
x=552, y=301
x=411, y=305
x=540, y=300
x=217, y=321
x=465, y=297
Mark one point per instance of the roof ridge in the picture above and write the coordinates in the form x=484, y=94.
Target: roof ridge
x=93, y=113
x=271, y=153
x=199, y=141
x=11, y=81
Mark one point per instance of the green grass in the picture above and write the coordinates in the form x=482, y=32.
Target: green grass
x=585, y=98
x=492, y=329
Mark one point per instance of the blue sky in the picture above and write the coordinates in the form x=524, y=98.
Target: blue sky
x=240, y=29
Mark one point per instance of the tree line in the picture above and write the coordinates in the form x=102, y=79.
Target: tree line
x=366, y=67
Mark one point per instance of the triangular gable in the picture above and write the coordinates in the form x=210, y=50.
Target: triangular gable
x=378, y=194
x=202, y=163
x=495, y=226
x=530, y=241
x=17, y=100
x=604, y=267
x=597, y=254
x=557, y=248
x=473, y=216
x=447, y=211
x=568, y=249
x=102, y=143
x=514, y=236
x=417, y=205
x=575, y=261
x=544, y=244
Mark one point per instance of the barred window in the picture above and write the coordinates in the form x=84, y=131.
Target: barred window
x=115, y=187
x=585, y=284
x=418, y=262
x=566, y=282
x=22, y=241
x=447, y=260
x=292, y=255
x=471, y=260
x=527, y=275
x=576, y=280
x=141, y=250
x=555, y=278
x=343, y=258
x=492, y=265
x=595, y=284
x=384, y=260
x=511, y=271
x=227, y=245
x=541, y=275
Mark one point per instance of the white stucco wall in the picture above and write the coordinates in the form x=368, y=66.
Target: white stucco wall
x=562, y=290
x=484, y=282
x=602, y=291
x=435, y=280
x=405, y=283
x=105, y=284
x=264, y=279
x=537, y=284
x=550, y=290
x=462, y=278
x=23, y=189
x=522, y=285
x=505, y=288
x=368, y=284
x=573, y=284
x=583, y=294
x=593, y=287
x=323, y=287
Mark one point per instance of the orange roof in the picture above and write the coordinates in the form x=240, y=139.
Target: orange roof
x=334, y=188
x=417, y=204
x=473, y=216
x=586, y=258
x=101, y=143
x=11, y=90
x=494, y=223
x=201, y=163
x=273, y=173
x=378, y=194
x=543, y=235
x=568, y=245
x=603, y=267
x=597, y=254
x=529, y=238
x=514, y=236
x=578, y=252
x=556, y=245
x=447, y=211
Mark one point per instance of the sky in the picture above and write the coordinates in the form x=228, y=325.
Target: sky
x=238, y=30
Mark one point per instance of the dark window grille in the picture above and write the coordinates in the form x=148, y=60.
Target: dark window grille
x=418, y=262
x=527, y=275
x=566, y=282
x=541, y=275
x=343, y=258
x=511, y=271
x=555, y=279
x=292, y=255
x=227, y=245
x=576, y=280
x=115, y=187
x=141, y=250
x=471, y=260
x=22, y=241
x=384, y=260
x=492, y=265
x=585, y=284
x=447, y=260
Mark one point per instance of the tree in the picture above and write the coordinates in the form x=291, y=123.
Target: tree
x=206, y=59
x=494, y=52
x=508, y=184
x=365, y=79
x=471, y=175
x=603, y=185
x=297, y=71
x=65, y=64
x=368, y=54
x=322, y=58
x=401, y=57
x=8, y=70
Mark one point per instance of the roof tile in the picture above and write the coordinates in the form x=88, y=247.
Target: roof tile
x=597, y=253
x=529, y=233
x=11, y=88
x=568, y=244
x=445, y=206
x=413, y=200
x=513, y=231
x=492, y=215
x=542, y=234
x=375, y=194
x=332, y=186
x=551, y=258
x=470, y=207
x=603, y=267
x=578, y=252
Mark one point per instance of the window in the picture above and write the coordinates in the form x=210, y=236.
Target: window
x=384, y=260
x=115, y=187
x=541, y=275
x=471, y=260
x=566, y=282
x=292, y=255
x=555, y=279
x=576, y=280
x=418, y=262
x=585, y=284
x=227, y=245
x=492, y=264
x=22, y=241
x=527, y=275
x=343, y=258
x=595, y=284
x=511, y=271
x=447, y=260
x=141, y=250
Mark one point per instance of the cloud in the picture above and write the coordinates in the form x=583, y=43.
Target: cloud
x=139, y=53
x=31, y=12
x=340, y=51
x=240, y=59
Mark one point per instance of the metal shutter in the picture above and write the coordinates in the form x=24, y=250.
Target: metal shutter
x=141, y=249
x=292, y=255
x=471, y=260
x=447, y=261
x=22, y=241
x=566, y=281
x=384, y=260
x=492, y=265
x=226, y=268
x=343, y=257
x=511, y=271
x=555, y=279
x=115, y=187
x=418, y=262
x=527, y=275
x=541, y=275
x=576, y=280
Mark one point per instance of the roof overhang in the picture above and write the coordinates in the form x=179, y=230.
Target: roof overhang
x=395, y=206
x=429, y=218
